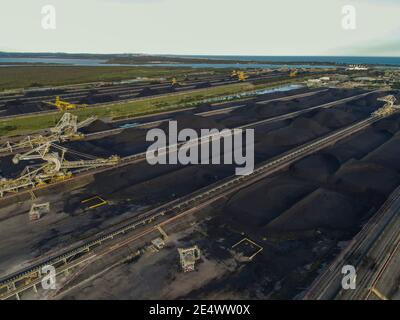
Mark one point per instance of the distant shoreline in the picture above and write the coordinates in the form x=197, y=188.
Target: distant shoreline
x=155, y=60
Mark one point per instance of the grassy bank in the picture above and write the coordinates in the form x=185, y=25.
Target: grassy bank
x=28, y=124
x=37, y=76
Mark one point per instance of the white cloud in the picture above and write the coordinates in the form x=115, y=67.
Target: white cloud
x=260, y=27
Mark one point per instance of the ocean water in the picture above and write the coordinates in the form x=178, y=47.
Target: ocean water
x=235, y=65
x=77, y=62
x=258, y=61
x=7, y=62
x=394, y=61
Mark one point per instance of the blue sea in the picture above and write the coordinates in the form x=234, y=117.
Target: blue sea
x=394, y=61
x=258, y=61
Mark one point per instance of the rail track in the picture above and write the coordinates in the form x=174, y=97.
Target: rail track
x=223, y=110
x=127, y=95
x=30, y=277
x=385, y=264
x=328, y=284
x=135, y=158
x=108, y=89
x=96, y=135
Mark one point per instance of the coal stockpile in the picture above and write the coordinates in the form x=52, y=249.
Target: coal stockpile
x=97, y=126
x=294, y=215
x=32, y=100
x=203, y=107
x=361, y=144
x=153, y=91
x=316, y=168
x=10, y=170
x=361, y=171
x=270, y=140
x=39, y=93
x=256, y=111
x=290, y=133
x=99, y=98
x=360, y=177
x=302, y=215
x=202, y=85
x=17, y=107
x=193, y=122
x=147, y=185
x=384, y=156
x=133, y=140
x=297, y=131
x=335, y=118
x=320, y=210
x=259, y=204
x=10, y=105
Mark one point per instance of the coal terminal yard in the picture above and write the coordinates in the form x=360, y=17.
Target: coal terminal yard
x=199, y=159
x=324, y=164
x=37, y=101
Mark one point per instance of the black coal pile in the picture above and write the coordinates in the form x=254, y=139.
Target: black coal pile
x=152, y=92
x=201, y=85
x=97, y=126
x=258, y=205
x=362, y=177
x=194, y=122
x=92, y=99
x=360, y=145
x=385, y=156
x=39, y=93
x=17, y=107
x=323, y=208
x=317, y=167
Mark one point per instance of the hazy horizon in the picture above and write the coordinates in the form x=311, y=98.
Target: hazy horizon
x=195, y=55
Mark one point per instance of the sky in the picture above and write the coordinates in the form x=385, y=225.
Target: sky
x=203, y=27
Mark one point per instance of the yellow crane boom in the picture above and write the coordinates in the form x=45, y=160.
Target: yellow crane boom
x=242, y=76
x=293, y=73
x=55, y=167
x=64, y=105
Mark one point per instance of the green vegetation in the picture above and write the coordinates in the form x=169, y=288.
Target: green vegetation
x=26, y=124
x=161, y=104
x=150, y=59
x=29, y=76
x=396, y=85
x=140, y=107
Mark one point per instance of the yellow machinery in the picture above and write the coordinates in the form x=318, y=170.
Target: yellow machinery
x=55, y=167
x=65, y=130
x=293, y=73
x=242, y=76
x=389, y=107
x=32, y=277
x=68, y=126
x=64, y=105
x=174, y=82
